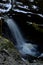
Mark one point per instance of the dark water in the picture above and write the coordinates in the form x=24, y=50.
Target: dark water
x=19, y=14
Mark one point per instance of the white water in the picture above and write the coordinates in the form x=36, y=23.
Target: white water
x=22, y=45
x=7, y=5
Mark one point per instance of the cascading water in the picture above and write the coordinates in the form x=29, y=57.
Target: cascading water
x=23, y=47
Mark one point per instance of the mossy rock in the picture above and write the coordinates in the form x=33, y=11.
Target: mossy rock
x=9, y=55
x=38, y=27
x=5, y=44
x=8, y=45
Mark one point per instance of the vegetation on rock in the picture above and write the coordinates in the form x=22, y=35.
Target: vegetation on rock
x=9, y=54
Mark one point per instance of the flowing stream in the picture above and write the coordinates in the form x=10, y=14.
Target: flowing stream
x=23, y=47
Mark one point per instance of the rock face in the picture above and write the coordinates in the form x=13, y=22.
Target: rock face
x=8, y=54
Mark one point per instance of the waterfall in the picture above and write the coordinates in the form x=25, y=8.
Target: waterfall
x=23, y=47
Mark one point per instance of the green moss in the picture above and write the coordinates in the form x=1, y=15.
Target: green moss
x=9, y=46
x=5, y=44
x=36, y=26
